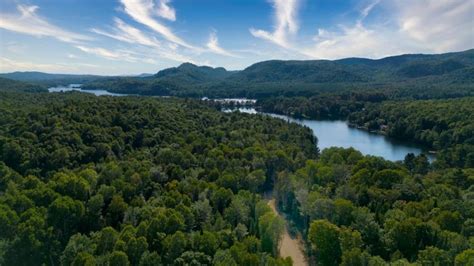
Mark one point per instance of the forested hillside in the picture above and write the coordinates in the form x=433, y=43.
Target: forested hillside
x=404, y=76
x=91, y=180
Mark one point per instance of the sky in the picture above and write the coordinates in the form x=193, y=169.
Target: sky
x=121, y=37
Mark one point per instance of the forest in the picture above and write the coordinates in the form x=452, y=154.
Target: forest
x=442, y=125
x=89, y=180
x=357, y=210
x=404, y=76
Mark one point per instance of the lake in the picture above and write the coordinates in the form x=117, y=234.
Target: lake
x=329, y=133
x=77, y=87
x=332, y=133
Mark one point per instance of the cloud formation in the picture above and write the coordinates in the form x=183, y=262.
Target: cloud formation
x=27, y=21
x=213, y=46
x=427, y=26
x=142, y=11
x=121, y=55
x=129, y=34
x=166, y=11
x=126, y=33
x=438, y=25
x=286, y=23
x=7, y=65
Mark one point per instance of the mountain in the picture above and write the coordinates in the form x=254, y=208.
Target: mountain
x=357, y=69
x=170, y=81
x=316, y=71
x=417, y=75
x=188, y=72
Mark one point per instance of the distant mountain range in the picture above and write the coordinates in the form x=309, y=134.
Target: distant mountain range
x=415, y=72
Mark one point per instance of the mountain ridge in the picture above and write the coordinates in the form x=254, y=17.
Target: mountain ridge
x=409, y=74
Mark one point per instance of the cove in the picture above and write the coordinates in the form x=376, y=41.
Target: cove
x=336, y=133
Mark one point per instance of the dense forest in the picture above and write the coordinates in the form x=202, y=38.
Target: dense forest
x=18, y=86
x=404, y=76
x=446, y=126
x=91, y=180
x=443, y=125
x=87, y=180
x=357, y=210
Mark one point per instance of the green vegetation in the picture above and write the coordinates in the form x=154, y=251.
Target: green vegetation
x=328, y=106
x=88, y=180
x=18, y=86
x=46, y=79
x=444, y=125
x=404, y=76
x=357, y=210
x=140, y=181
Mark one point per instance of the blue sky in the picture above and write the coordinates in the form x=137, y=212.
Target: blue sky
x=137, y=36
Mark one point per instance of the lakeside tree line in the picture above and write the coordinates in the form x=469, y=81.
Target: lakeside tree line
x=444, y=125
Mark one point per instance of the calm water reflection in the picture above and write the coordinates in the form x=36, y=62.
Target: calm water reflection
x=339, y=134
x=77, y=87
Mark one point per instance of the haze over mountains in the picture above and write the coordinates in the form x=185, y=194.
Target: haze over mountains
x=277, y=77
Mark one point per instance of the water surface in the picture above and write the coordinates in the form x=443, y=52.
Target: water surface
x=329, y=133
x=332, y=133
x=77, y=87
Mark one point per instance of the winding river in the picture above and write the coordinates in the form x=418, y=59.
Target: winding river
x=77, y=87
x=330, y=133
x=337, y=133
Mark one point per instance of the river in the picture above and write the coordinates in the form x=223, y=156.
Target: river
x=337, y=133
x=330, y=133
x=77, y=87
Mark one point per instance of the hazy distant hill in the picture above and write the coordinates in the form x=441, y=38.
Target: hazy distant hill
x=413, y=74
x=48, y=79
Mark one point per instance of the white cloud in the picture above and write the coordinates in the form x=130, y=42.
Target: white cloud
x=9, y=65
x=367, y=9
x=166, y=11
x=126, y=33
x=27, y=21
x=438, y=25
x=286, y=23
x=356, y=41
x=213, y=46
x=120, y=55
x=142, y=11
x=424, y=26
